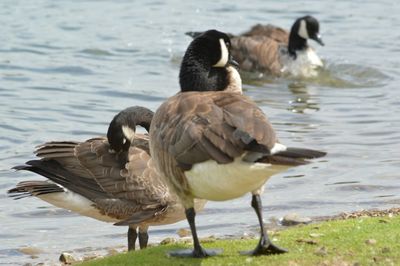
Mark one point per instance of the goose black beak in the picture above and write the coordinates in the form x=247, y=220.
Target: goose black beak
x=232, y=62
x=318, y=39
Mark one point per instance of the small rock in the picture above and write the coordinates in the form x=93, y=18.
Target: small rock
x=315, y=235
x=187, y=240
x=247, y=236
x=294, y=219
x=112, y=252
x=30, y=250
x=356, y=264
x=209, y=239
x=183, y=232
x=67, y=258
x=370, y=241
x=385, y=250
x=34, y=257
x=321, y=251
x=168, y=240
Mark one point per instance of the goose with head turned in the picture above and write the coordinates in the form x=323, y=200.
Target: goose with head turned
x=109, y=179
x=211, y=142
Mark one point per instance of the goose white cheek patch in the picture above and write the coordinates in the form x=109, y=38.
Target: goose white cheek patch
x=128, y=133
x=224, y=54
x=303, y=30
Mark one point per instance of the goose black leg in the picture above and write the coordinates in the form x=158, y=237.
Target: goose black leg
x=143, y=239
x=264, y=246
x=132, y=235
x=198, y=251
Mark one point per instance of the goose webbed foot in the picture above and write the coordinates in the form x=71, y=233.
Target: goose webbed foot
x=264, y=249
x=264, y=246
x=198, y=251
x=193, y=253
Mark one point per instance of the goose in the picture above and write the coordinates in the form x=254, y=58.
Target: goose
x=109, y=179
x=272, y=50
x=211, y=142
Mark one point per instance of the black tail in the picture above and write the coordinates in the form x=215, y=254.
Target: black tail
x=292, y=157
x=300, y=153
x=56, y=173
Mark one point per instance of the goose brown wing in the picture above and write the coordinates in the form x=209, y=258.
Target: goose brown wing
x=257, y=53
x=276, y=33
x=194, y=127
x=136, y=181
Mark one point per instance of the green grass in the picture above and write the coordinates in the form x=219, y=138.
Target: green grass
x=345, y=242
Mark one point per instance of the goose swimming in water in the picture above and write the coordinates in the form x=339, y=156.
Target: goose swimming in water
x=210, y=142
x=272, y=50
x=109, y=179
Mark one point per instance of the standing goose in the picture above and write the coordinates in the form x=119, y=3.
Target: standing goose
x=273, y=50
x=211, y=142
x=111, y=180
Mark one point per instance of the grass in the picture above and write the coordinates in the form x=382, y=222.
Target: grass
x=361, y=241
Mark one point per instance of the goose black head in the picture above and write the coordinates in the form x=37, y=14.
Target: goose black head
x=304, y=28
x=122, y=128
x=204, y=65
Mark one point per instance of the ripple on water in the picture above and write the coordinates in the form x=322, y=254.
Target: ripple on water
x=350, y=76
x=335, y=75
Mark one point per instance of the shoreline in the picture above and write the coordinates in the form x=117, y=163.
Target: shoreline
x=183, y=235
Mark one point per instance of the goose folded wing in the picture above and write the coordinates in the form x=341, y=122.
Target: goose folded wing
x=218, y=126
x=258, y=52
x=134, y=181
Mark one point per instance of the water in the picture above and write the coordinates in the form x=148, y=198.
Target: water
x=67, y=67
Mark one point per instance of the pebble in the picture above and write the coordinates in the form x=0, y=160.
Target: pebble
x=183, y=232
x=67, y=258
x=370, y=241
x=209, y=239
x=295, y=219
x=321, y=251
x=168, y=240
x=30, y=250
x=315, y=235
x=385, y=250
x=112, y=252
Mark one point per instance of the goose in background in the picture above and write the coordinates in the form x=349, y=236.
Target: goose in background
x=210, y=142
x=272, y=50
x=110, y=179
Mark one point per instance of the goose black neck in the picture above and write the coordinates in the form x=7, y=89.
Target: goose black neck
x=196, y=77
x=138, y=115
x=129, y=117
x=296, y=43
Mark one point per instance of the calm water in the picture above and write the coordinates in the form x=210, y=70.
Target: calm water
x=66, y=67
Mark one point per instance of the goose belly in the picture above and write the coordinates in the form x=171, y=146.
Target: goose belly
x=74, y=202
x=218, y=182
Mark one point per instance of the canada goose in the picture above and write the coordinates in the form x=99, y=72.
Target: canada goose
x=273, y=50
x=211, y=142
x=110, y=180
